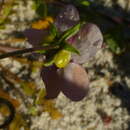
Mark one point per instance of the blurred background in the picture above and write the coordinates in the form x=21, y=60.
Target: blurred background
x=107, y=105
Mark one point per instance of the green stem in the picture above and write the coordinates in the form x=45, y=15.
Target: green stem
x=45, y=9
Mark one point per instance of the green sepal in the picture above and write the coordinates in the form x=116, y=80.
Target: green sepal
x=70, y=48
x=49, y=62
x=53, y=30
x=70, y=32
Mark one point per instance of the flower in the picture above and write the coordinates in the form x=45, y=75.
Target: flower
x=72, y=80
x=42, y=24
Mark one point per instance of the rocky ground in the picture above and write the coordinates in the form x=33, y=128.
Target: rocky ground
x=106, y=107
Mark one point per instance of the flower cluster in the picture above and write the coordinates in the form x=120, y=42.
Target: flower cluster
x=66, y=74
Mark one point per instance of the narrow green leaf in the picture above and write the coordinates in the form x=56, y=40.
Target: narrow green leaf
x=53, y=30
x=84, y=2
x=113, y=44
x=70, y=32
x=49, y=62
x=70, y=48
x=40, y=7
x=41, y=51
x=40, y=96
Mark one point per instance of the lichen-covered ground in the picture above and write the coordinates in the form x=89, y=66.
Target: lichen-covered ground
x=107, y=106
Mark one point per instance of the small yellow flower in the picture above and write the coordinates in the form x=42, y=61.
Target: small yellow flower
x=43, y=24
x=62, y=58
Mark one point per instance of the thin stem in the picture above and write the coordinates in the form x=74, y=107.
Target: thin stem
x=45, y=9
x=6, y=49
x=60, y=4
x=27, y=50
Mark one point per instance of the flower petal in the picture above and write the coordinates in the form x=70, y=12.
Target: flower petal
x=88, y=41
x=51, y=80
x=75, y=82
x=67, y=18
x=35, y=36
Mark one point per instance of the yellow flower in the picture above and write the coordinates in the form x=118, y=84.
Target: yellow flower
x=43, y=24
x=62, y=58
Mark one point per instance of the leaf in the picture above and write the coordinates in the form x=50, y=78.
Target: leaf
x=53, y=30
x=70, y=48
x=70, y=32
x=49, y=62
x=41, y=51
x=85, y=3
x=40, y=7
x=113, y=44
x=40, y=96
x=115, y=39
x=82, y=2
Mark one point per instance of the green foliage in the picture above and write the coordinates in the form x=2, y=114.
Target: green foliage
x=70, y=48
x=82, y=2
x=53, y=30
x=40, y=7
x=70, y=32
x=60, y=40
x=115, y=40
x=40, y=96
x=49, y=61
x=113, y=44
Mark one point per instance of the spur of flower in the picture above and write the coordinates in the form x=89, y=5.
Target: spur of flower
x=76, y=42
